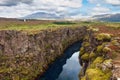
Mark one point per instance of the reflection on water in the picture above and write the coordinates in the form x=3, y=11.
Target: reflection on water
x=71, y=69
x=65, y=67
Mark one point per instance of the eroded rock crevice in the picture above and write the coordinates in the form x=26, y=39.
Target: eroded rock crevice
x=25, y=56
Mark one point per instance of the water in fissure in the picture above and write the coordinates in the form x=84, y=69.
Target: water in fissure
x=66, y=67
x=71, y=69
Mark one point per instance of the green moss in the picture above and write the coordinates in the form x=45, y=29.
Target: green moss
x=4, y=70
x=103, y=36
x=114, y=54
x=108, y=75
x=82, y=51
x=18, y=68
x=83, y=78
x=16, y=77
x=95, y=29
x=7, y=78
x=4, y=58
x=108, y=63
x=25, y=78
x=92, y=55
x=85, y=56
x=106, y=49
x=17, y=56
x=24, y=72
x=86, y=44
x=96, y=62
x=48, y=46
x=86, y=37
x=97, y=74
x=99, y=48
x=115, y=42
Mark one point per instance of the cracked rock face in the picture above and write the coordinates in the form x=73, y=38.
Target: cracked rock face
x=116, y=70
x=25, y=56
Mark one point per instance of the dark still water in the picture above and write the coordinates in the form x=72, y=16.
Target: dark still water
x=66, y=67
x=71, y=69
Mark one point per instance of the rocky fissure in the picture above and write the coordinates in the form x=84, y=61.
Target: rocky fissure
x=25, y=56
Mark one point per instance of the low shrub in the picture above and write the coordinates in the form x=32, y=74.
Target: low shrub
x=106, y=49
x=103, y=37
x=85, y=56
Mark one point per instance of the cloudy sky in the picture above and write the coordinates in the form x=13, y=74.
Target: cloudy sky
x=68, y=8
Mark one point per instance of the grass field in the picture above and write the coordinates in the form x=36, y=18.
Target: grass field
x=42, y=25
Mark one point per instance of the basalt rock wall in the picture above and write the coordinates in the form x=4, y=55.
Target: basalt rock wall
x=25, y=56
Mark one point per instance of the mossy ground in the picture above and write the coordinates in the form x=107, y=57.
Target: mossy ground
x=99, y=57
x=103, y=36
x=18, y=68
x=97, y=74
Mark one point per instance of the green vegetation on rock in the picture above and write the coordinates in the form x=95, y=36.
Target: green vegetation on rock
x=97, y=74
x=86, y=44
x=103, y=36
x=86, y=37
x=93, y=29
x=100, y=48
x=82, y=51
x=83, y=78
x=96, y=62
x=99, y=63
x=18, y=68
x=115, y=42
x=85, y=56
x=106, y=49
x=92, y=55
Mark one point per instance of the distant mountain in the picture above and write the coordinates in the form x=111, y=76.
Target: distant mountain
x=42, y=15
x=7, y=19
x=107, y=17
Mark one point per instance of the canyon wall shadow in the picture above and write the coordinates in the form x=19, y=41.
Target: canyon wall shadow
x=56, y=67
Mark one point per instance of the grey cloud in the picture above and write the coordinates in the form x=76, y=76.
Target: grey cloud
x=18, y=8
x=116, y=5
x=14, y=2
x=113, y=2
